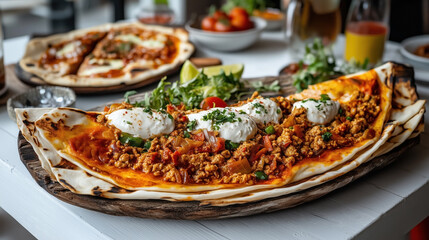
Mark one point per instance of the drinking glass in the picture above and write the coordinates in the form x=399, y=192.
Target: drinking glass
x=308, y=19
x=367, y=30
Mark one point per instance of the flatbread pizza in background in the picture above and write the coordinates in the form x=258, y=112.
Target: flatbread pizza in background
x=314, y=137
x=107, y=55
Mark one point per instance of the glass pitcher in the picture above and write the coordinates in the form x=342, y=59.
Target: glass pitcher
x=308, y=19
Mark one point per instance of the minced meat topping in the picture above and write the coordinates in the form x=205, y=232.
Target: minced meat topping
x=191, y=156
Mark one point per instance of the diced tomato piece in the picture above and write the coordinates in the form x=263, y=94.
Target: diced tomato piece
x=211, y=102
x=106, y=109
x=175, y=157
x=184, y=118
x=258, y=155
x=267, y=143
x=219, y=145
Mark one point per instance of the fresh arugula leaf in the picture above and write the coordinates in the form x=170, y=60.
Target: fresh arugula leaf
x=260, y=87
x=128, y=94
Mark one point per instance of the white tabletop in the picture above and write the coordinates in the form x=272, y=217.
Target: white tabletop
x=384, y=205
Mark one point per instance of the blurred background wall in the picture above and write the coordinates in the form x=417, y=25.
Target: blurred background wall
x=24, y=17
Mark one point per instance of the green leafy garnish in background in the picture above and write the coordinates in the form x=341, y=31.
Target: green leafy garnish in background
x=193, y=92
x=319, y=65
x=249, y=5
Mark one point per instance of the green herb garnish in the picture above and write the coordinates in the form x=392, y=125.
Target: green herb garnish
x=191, y=125
x=147, y=145
x=260, y=106
x=186, y=134
x=270, y=129
x=326, y=136
x=319, y=65
x=260, y=87
x=129, y=139
x=219, y=117
x=324, y=97
x=128, y=94
x=348, y=118
x=261, y=175
x=231, y=145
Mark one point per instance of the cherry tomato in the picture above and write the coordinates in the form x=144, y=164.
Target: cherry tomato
x=208, y=23
x=211, y=102
x=223, y=25
x=238, y=11
x=220, y=15
x=241, y=22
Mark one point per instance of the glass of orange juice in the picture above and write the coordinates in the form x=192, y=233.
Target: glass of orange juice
x=367, y=30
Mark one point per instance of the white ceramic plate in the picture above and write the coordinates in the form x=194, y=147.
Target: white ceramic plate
x=420, y=64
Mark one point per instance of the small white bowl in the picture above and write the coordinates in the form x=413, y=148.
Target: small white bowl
x=230, y=41
x=409, y=45
x=273, y=25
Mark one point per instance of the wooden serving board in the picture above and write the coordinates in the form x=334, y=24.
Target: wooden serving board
x=192, y=210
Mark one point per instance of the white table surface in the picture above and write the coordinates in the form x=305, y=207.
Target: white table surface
x=383, y=205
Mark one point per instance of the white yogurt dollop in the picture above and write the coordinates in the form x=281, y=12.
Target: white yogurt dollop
x=262, y=110
x=319, y=112
x=141, y=122
x=240, y=127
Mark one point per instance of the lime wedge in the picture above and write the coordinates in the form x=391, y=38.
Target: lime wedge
x=235, y=69
x=189, y=71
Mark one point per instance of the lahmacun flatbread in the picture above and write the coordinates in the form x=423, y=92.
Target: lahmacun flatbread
x=107, y=55
x=252, y=150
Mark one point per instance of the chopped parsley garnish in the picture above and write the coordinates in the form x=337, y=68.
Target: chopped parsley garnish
x=291, y=127
x=219, y=117
x=261, y=175
x=242, y=112
x=270, y=129
x=191, y=125
x=324, y=97
x=186, y=134
x=309, y=99
x=349, y=118
x=340, y=111
x=326, y=136
x=130, y=123
x=147, y=110
x=147, y=145
x=170, y=117
x=231, y=145
x=279, y=111
x=260, y=106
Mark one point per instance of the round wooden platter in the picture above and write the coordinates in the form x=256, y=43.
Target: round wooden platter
x=192, y=210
